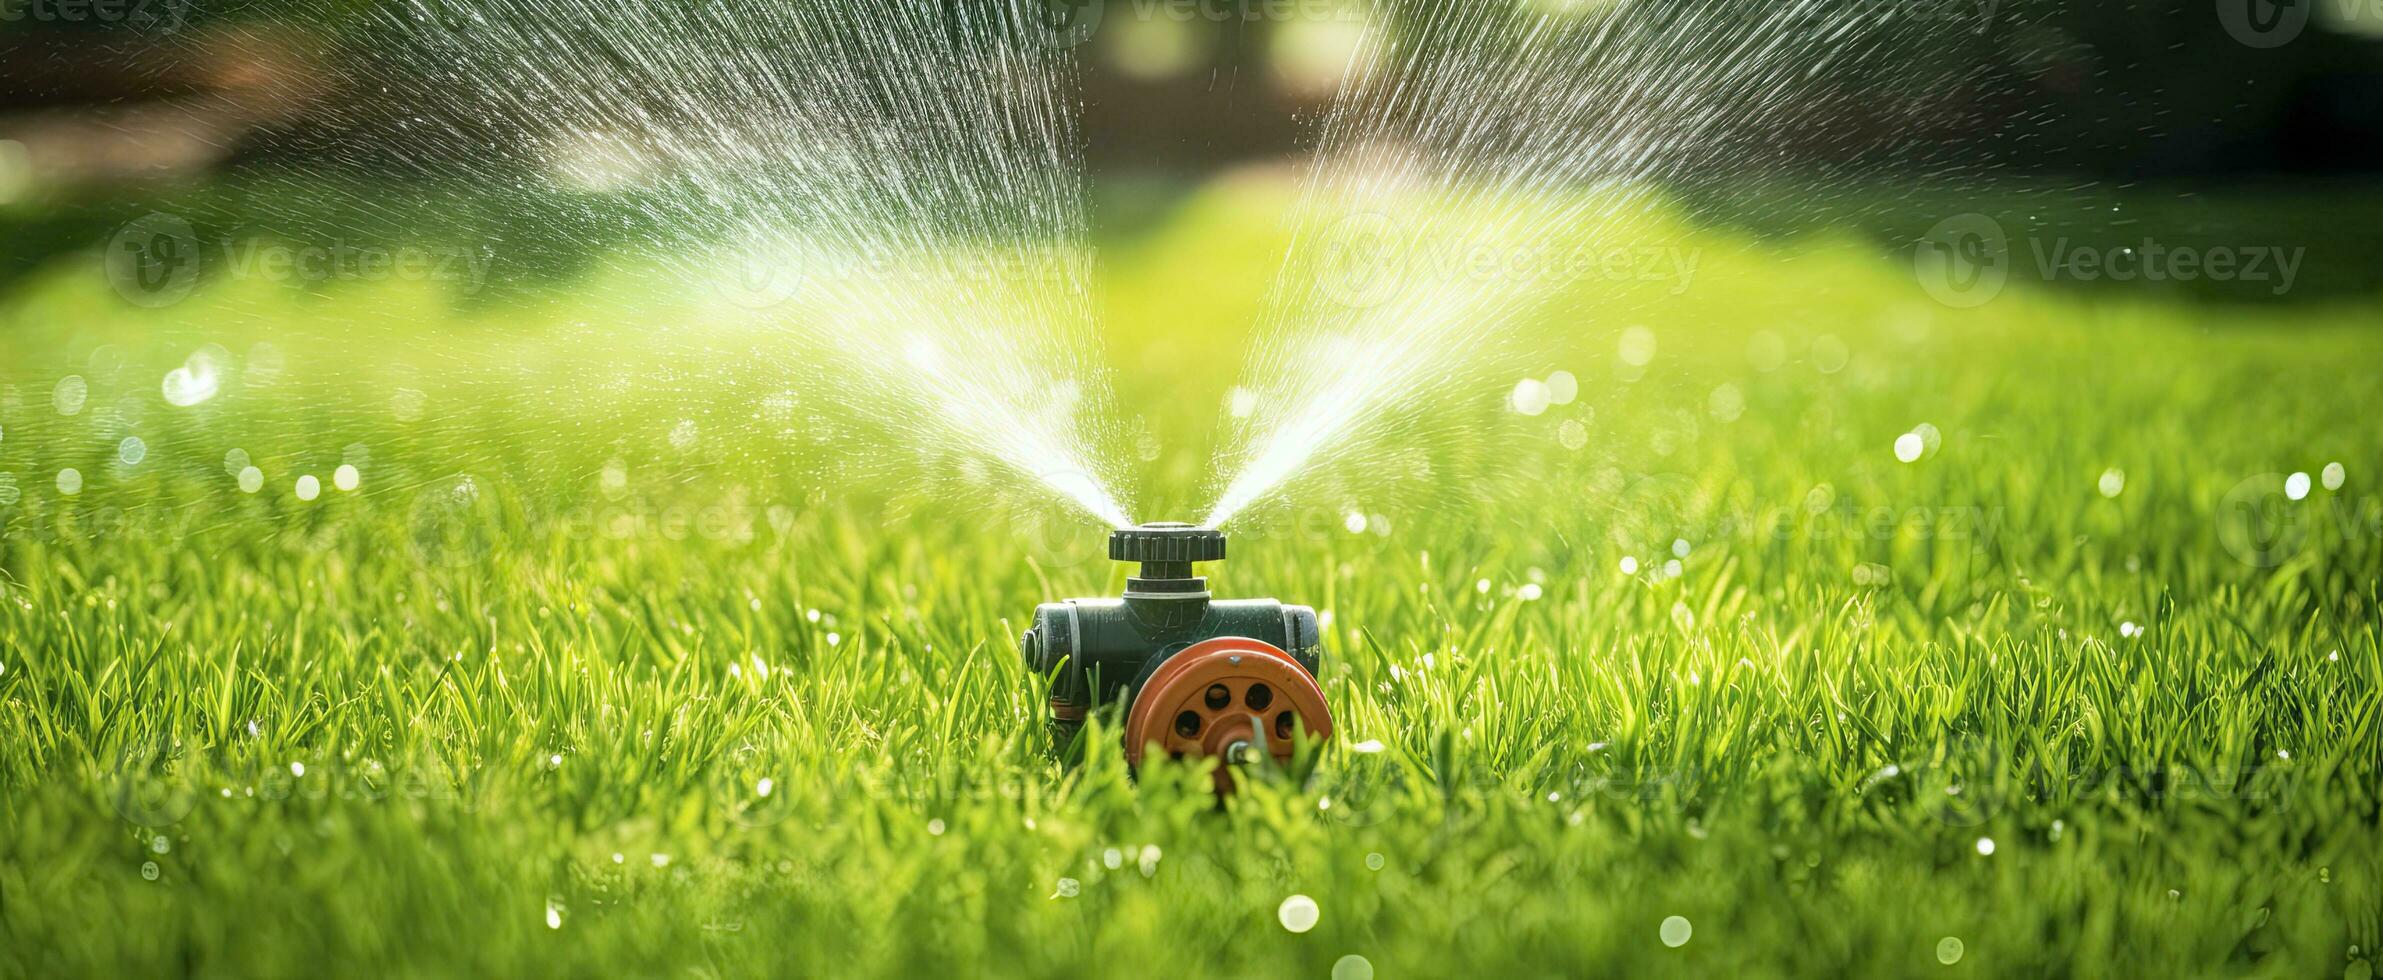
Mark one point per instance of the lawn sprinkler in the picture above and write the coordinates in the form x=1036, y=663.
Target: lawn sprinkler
x=1233, y=679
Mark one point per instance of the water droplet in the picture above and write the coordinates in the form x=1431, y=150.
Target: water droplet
x=2334, y=476
x=160, y=845
x=1675, y=931
x=70, y=481
x=235, y=461
x=407, y=405
x=1637, y=347
x=1629, y=565
x=1298, y=913
x=251, y=479
x=1068, y=888
x=1727, y=403
x=1830, y=355
x=1573, y=434
x=149, y=870
x=1530, y=396
x=131, y=451
x=346, y=477
x=1909, y=446
x=554, y=914
x=70, y=394
x=1562, y=388
x=661, y=860
x=1352, y=967
x=1375, y=861
x=1355, y=522
x=2296, y=486
x=1949, y=950
x=309, y=487
x=2113, y=482
x=1985, y=845
x=194, y=382
x=1766, y=351
x=298, y=769
x=935, y=827
x=1530, y=592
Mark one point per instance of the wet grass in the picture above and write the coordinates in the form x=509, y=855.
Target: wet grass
x=619, y=664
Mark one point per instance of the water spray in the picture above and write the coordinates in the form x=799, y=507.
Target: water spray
x=1195, y=676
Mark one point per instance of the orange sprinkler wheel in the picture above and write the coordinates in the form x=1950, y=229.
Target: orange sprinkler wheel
x=1226, y=697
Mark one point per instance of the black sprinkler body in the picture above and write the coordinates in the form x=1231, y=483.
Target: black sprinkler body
x=1198, y=675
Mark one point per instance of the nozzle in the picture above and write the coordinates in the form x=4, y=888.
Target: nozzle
x=1166, y=550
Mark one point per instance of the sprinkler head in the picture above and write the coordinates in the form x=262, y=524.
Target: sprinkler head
x=1166, y=551
x=1192, y=675
x=1167, y=541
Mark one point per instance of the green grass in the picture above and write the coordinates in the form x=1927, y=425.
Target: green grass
x=564, y=694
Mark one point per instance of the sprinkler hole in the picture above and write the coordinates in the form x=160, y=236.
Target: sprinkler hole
x=1282, y=726
x=1187, y=724
x=1218, y=697
x=1259, y=697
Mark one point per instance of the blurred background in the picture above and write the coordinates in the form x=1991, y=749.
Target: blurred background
x=2203, y=119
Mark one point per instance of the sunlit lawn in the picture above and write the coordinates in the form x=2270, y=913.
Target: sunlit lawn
x=620, y=662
